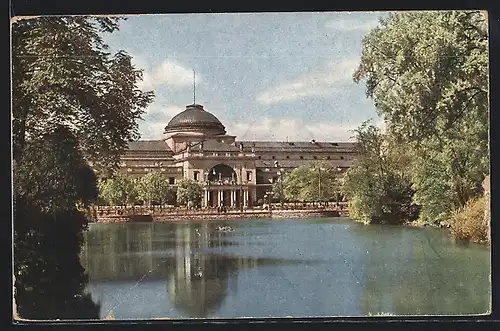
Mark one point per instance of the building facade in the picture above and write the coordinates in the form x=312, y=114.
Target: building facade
x=233, y=173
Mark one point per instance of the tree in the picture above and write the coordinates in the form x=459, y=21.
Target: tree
x=75, y=83
x=189, y=192
x=378, y=185
x=427, y=73
x=118, y=190
x=153, y=188
x=317, y=181
x=73, y=103
x=50, y=181
x=52, y=175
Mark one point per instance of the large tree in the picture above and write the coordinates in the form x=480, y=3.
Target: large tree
x=313, y=182
x=378, y=185
x=427, y=73
x=63, y=74
x=72, y=103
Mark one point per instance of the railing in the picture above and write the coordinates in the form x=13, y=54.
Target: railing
x=124, y=211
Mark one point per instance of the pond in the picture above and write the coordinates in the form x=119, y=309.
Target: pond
x=280, y=268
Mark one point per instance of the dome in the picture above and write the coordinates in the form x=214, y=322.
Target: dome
x=195, y=119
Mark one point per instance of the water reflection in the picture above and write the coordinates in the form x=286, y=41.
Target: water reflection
x=198, y=277
x=422, y=272
x=49, y=278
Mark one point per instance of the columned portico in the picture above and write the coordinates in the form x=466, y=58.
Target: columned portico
x=230, y=196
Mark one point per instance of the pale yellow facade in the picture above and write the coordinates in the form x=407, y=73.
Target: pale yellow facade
x=233, y=173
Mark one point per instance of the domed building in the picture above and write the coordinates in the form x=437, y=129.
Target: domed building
x=234, y=173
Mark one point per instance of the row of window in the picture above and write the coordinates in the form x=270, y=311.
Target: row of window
x=301, y=157
x=197, y=176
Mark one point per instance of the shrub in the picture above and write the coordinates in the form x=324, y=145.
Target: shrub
x=471, y=222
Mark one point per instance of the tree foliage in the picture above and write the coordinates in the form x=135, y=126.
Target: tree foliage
x=378, y=185
x=317, y=181
x=427, y=73
x=64, y=75
x=154, y=188
x=189, y=192
x=72, y=103
x=118, y=190
x=53, y=175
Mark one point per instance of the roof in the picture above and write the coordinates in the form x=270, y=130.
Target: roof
x=148, y=145
x=298, y=163
x=195, y=118
x=294, y=145
x=213, y=145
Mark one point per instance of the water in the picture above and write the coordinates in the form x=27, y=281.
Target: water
x=279, y=268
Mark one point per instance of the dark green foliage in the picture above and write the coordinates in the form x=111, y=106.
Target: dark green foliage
x=427, y=73
x=378, y=186
x=49, y=279
x=62, y=74
x=73, y=104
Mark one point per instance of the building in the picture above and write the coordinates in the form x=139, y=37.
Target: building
x=234, y=173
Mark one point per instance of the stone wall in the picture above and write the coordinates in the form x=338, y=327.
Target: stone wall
x=222, y=216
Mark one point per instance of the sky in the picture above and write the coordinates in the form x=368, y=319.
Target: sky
x=266, y=76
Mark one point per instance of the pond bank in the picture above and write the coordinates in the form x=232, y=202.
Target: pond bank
x=230, y=215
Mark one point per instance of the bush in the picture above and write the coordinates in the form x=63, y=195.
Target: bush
x=471, y=222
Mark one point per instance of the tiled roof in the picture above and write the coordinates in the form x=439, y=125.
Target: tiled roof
x=148, y=145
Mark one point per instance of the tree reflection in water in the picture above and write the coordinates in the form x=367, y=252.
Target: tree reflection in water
x=198, y=279
x=49, y=279
x=433, y=281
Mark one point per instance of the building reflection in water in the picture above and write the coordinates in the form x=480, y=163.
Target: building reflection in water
x=198, y=278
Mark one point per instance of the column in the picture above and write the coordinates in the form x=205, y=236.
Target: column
x=221, y=197
x=232, y=198
x=245, y=198
x=205, y=198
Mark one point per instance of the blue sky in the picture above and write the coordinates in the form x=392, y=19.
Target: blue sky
x=266, y=76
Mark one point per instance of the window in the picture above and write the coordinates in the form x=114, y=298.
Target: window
x=275, y=179
x=328, y=158
x=274, y=157
x=341, y=157
x=260, y=157
x=171, y=180
x=315, y=157
x=301, y=157
x=196, y=175
x=249, y=176
x=291, y=144
x=334, y=144
x=288, y=156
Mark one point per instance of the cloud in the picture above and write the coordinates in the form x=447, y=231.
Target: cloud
x=319, y=83
x=170, y=73
x=267, y=128
x=282, y=129
x=156, y=118
x=350, y=24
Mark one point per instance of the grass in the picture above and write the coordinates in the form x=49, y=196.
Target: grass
x=472, y=222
